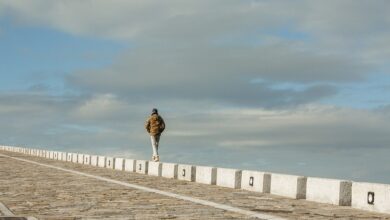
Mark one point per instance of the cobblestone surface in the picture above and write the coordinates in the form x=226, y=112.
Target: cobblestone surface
x=46, y=193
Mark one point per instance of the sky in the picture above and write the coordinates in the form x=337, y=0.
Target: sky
x=287, y=86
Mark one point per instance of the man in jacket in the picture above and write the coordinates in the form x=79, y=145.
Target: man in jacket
x=155, y=125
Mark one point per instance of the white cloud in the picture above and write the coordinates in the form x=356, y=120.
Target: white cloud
x=100, y=106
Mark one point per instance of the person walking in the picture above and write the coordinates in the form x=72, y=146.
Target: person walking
x=155, y=125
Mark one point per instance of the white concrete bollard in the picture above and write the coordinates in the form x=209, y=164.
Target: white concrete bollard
x=206, y=175
x=87, y=159
x=141, y=166
x=59, y=155
x=101, y=161
x=74, y=157
x=154, y=168
x=229, y=178
x=110, y=162
x=51, y=155
x=371, y=197
x=64, y=154
x=169, y=170
x=47, y=154
x=69, y=157
x=119, y=163
x=288, y=185
x=256, y=181
x=331, y=191
x=130, y=165
x=80, y=158
x=94, y=160
x=186, y=172
x=55, y=155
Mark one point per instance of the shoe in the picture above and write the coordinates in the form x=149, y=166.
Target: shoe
x=154, y=158
x=157, y=159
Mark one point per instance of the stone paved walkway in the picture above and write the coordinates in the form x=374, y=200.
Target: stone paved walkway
x=46, y=193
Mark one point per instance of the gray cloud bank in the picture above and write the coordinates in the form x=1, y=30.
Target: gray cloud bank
x=310, y=140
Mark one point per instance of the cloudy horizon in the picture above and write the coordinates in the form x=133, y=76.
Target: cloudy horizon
x=298, y=87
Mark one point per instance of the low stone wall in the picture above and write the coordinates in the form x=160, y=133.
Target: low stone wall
x=130, y=165
x=331, y=191
x=366, y=196
x=229, y=178
x=371, y=197
x=186, y=172
x=110, y=162
x=288, y=185
x=141, y=166
x=119, y=163
x=206, y=175
x=256, y=181
x=94, y=160
x=101, y=161
x=154, y=168
x=169, y=170
x=80, y=158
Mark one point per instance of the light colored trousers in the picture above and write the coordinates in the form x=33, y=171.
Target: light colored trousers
x=155, y=140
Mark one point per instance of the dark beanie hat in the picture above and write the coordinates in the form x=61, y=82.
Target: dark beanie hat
x=154, y=111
